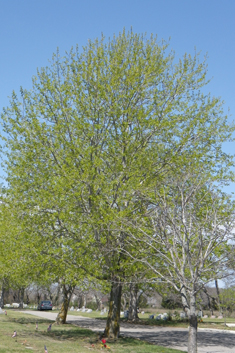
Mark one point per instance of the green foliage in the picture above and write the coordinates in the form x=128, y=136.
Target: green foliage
x=227, y=299
x=176, y=315
x=91, y=305
x=107, y=139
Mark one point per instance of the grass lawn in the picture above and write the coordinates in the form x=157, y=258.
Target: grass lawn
x=64, y=339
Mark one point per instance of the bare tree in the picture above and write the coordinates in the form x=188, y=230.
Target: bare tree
x=183, y=239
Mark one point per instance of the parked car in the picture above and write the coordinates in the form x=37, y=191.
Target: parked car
x=45, y=305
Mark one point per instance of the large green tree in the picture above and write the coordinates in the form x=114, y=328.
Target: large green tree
x=99, y=128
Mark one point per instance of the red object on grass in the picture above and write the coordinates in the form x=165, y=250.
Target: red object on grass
x=103, y=341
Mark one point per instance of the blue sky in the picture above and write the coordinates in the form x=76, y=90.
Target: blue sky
x=31, y=30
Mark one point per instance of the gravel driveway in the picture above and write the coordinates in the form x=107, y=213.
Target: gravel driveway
x=209, y=341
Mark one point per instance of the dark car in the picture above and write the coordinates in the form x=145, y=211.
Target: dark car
x=45, y=305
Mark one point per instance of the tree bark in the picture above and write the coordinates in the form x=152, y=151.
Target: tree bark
x=184, y=300
x=190, y=309
x=56, y=299
x=123, y=302
x=98, y=301
x=38, y=298
x=2, y=296
x=21, y=292
x=133, y=303
x=84, y=300
x=112, y=328
x=218, y=295
x=192, y=337
x=208, y=300
x=80, y=301
x=62, y=315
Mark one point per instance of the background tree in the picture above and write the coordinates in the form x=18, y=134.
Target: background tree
x=186, y=231
x=15, y=270
x=227, y=301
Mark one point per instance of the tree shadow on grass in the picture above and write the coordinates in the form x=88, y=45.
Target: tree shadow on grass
x=24, y=320
x=129, y=341
x=144, y=346
x=71, y=334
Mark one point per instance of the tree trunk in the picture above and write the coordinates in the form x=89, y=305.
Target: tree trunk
x=2, y=296
x=190, y=309
x=84, y=300
x=98, y=301
x=184, y=300
x=62, y=315
x=56, y=299
x=225, y=317
x=112, y=328
x=133, y=314
x=192, y=337
x=21, y=292
x=123, y=302
x=218, y=296
x=208, y=300
x=38, y=297
x=80, y=301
